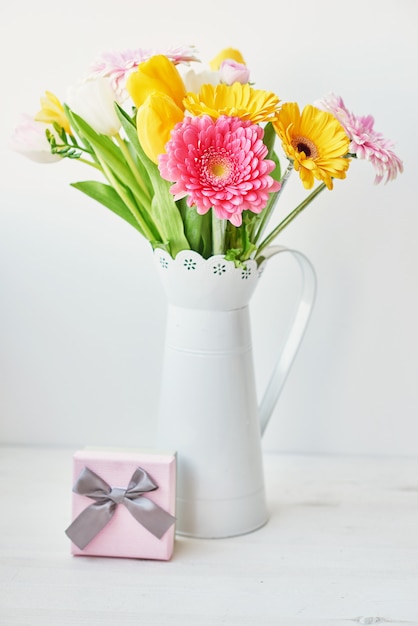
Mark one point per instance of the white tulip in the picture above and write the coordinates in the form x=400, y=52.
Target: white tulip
x=94, y=101
x=194, y=80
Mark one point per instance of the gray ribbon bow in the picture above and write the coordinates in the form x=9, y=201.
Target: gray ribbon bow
x=95, y=517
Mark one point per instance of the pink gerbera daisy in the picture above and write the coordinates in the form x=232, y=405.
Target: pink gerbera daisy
x=118, y=65
x=366, y=143
x=221, y=164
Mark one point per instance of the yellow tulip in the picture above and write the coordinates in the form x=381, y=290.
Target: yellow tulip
x=155, y=120
x=227, y=53
x=53, y=111
x=156, y=74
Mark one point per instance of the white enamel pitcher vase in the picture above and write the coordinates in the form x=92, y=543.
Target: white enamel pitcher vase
x=209, y=413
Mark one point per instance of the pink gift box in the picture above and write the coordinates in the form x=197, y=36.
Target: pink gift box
x=123, y=535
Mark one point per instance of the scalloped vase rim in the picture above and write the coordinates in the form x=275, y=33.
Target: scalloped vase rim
x=215, y=283
x=183, y=254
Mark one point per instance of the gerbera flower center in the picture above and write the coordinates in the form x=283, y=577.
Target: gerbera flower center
x=217, y=167
x=305, y=145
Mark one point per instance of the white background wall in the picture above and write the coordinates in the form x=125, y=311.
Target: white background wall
x=82, y=315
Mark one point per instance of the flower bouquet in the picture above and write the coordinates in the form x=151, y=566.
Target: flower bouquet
x=188, y=155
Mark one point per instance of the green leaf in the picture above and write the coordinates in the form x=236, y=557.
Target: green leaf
x=206, y=233
x=161, y=214
x=164, y=210
x=192, y=223
x=129, y=127
x=111, y=155
x=197, y=228
x=269, y=140
x=106, y=195
x=120, y=170
x=167, y=217
x=144, y=163
x=233, y=254
x=277, y=172
x=79, y=134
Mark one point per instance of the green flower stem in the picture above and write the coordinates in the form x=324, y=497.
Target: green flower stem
x=267, y=214
x=268, y=240
x=132, y=165
x=218, y=234
x=233, y=236
x=91, y=163
x=76, y=145
x=130, y=205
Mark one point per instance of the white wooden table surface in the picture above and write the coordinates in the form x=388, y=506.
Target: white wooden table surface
x=341, y=548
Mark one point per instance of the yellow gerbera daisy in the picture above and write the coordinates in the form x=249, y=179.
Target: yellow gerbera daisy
x=53, y=111
x=315, y=141
x=235, y=100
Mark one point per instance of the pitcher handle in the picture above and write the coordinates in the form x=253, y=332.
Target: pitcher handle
x=300, y=322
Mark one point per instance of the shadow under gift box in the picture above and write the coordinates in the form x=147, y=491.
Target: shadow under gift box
x=123, y=535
